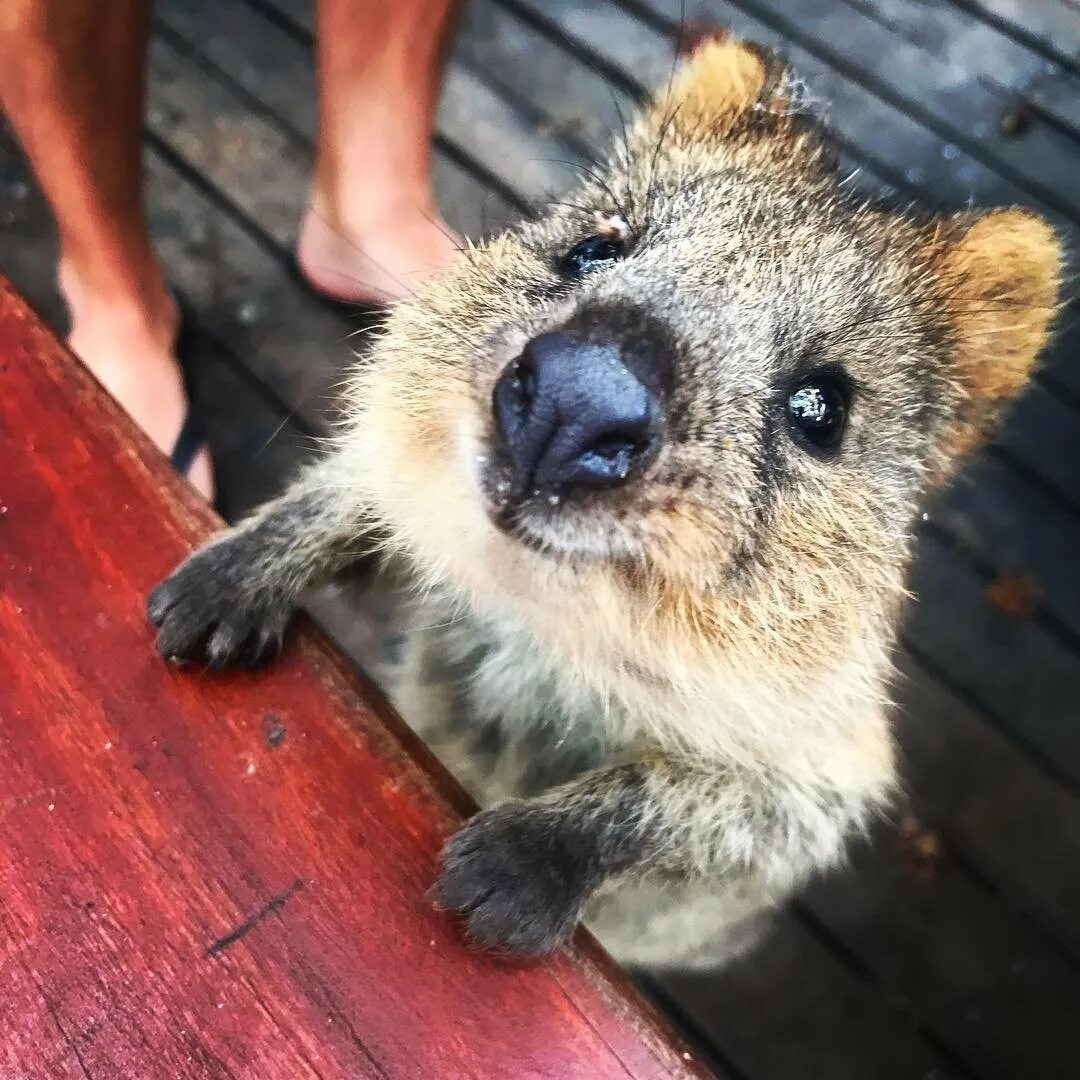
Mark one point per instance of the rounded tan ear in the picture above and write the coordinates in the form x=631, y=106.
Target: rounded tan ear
x=1000, y=280
x=722, y=80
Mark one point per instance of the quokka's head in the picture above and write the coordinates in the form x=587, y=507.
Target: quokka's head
x=709, y=388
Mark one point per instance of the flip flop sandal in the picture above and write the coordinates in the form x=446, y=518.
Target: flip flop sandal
x=192, y=437
x=188, y=443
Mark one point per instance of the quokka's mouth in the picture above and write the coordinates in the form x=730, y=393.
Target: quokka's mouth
x=532, y=518
x=565, y=528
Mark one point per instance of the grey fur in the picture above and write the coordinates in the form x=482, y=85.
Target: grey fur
x=232, y=600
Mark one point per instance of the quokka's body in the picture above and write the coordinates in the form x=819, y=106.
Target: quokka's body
x=646, y=471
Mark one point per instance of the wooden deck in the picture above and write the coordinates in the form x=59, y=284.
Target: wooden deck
x=951, y=948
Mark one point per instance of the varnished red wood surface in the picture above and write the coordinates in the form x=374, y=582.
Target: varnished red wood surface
x=222, y=876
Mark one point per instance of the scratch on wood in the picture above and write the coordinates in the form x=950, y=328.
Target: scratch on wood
x=68, y=1040
x=275, y=731
x=275, y=903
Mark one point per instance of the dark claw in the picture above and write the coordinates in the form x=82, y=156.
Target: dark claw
x=263, y=645
x=157, y=603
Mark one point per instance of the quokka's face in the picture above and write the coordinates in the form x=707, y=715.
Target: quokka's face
x=739, y=364
x=709, y=365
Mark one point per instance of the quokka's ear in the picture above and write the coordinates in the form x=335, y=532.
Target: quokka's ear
x=720, y=83
x=1000, y=279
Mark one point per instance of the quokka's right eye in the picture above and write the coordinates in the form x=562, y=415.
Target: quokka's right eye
x=588, y=255
x=818, y=410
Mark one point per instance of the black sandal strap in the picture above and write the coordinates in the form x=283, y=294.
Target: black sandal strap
x=192, y=436
x=188, y=443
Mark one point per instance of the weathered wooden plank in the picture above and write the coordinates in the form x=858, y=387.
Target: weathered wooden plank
x=1016, y=826
x=786, y=1010
x=255, y=449
x=1062, y=360
x=1056, y=95
x=247, y=294
x=942, y=938
x=1051, y=26
x=902, y=72
x=886, y=135
x=28, y=250
x=1020, y=531
x=262, y=167
x=501, y=34
x=1042, y=431
x=257, y=166
x=1021, y=674
x=960, y=35
x=525, y=157
x=647, y=56
x=576, y=100
x=988, y=61
x=1001, y=998
x=187, y=895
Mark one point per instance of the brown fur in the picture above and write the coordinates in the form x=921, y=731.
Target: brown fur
x=1004, y=275
x=679, y=682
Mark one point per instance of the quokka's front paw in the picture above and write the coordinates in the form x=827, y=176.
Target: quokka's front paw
x=520, y=875
x=214, y=607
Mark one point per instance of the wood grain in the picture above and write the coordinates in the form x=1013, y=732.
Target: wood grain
x=223, y=876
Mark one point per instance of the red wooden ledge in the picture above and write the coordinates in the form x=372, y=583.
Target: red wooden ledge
x=223, y=876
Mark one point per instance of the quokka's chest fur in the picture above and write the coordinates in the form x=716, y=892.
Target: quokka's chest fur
x=513, y=714
x=490, y=703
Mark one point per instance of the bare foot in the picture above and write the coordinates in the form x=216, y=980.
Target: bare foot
x=378, y=260
x=130, y=350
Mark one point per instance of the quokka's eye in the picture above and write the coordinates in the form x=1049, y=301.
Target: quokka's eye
x=818, y=410
x=592, y=253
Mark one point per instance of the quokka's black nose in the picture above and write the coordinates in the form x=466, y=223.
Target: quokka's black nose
x=573, y=414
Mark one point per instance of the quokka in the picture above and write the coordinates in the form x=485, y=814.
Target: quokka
x=648, y=469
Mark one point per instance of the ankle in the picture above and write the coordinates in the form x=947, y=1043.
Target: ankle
x=381, y=261
x=143, y=309
x=358, y=210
